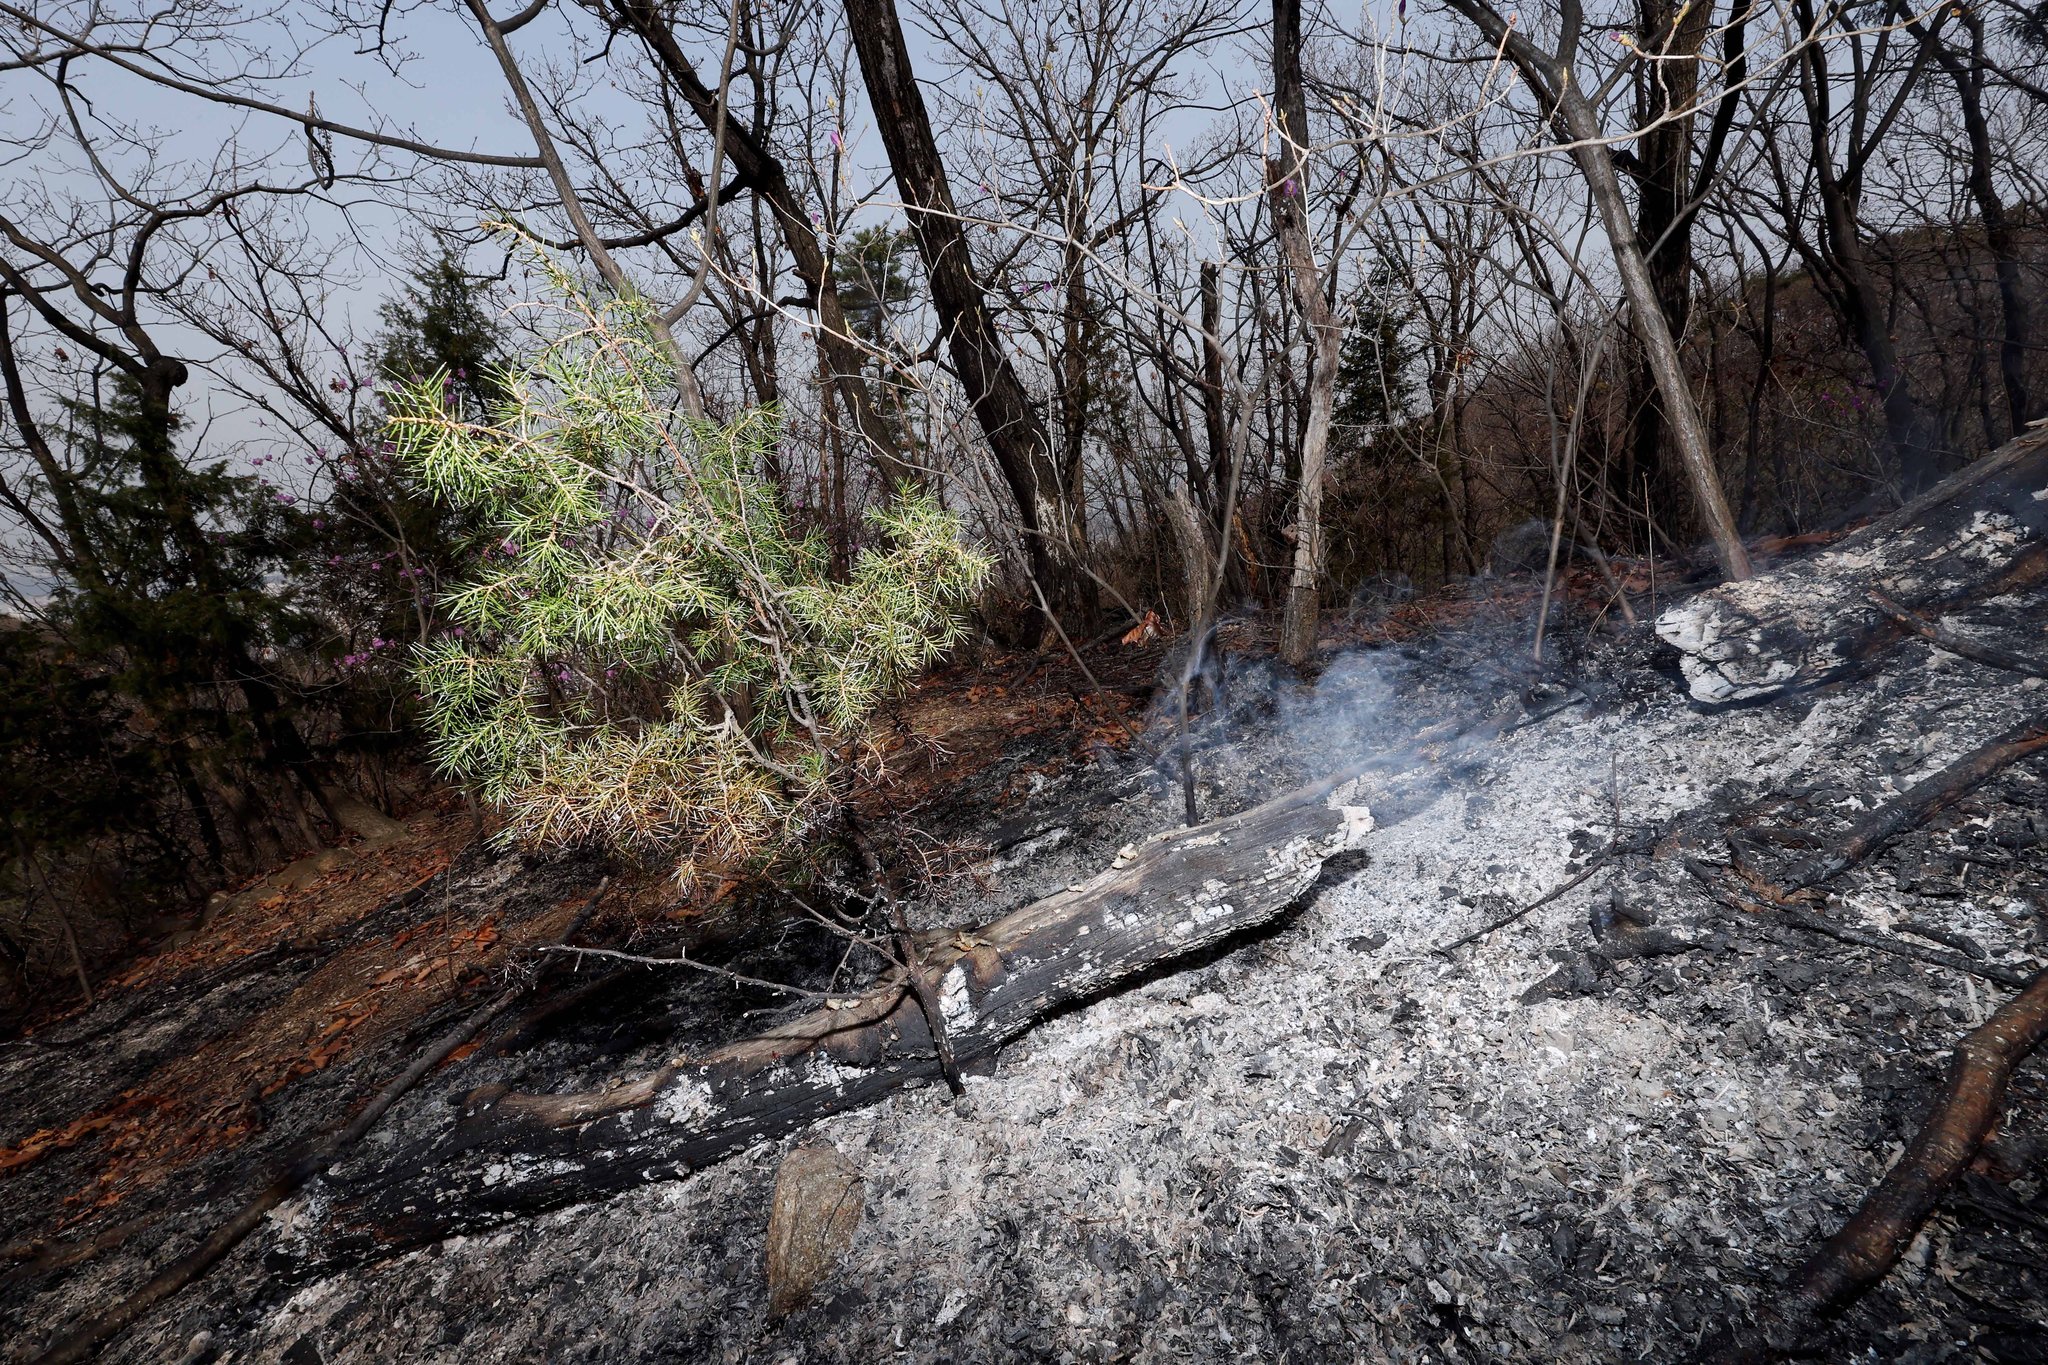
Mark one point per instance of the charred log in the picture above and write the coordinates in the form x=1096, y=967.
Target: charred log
x=1979, y=533
x=515, y=1155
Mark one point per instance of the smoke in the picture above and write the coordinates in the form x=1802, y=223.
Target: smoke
x=1421, y=710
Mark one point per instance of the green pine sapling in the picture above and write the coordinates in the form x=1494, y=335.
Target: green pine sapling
x=645, y=656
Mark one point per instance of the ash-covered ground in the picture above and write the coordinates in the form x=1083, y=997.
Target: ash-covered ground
x=1596, y=1134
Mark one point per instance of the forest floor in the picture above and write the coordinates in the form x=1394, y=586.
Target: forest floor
x=1595, y=1134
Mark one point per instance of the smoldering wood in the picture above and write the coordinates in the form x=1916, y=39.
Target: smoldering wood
x=513, y=1155
x=1871, y=1242
x=1982, y=532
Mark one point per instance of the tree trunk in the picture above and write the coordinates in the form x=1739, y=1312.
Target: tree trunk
x=1214, y=424
x=1288, y=190
x=1012, y=425
x=1999, y=234
x=1664, y=189
x=1681, y=411
x=1580, y=125
x=1076, y=389
x=1912, y=431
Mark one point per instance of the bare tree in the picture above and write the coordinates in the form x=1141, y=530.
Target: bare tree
x=1008, y=417
x=1879, y=82
x=1969, y=72
x=1569, y=107
x=762, y=171
x=1288, y=190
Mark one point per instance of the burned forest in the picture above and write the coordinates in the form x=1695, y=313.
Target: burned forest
x=1006, y=681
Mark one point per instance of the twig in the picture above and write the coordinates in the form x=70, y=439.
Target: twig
x=1566, y=703
x=1038, y=662
x=739, y=978
x=1600, y=860
x=1094, y=684
x=1927, y=798
x=1628, y=613
x=1871, y=1242
x=1943, y=638
x=1885, y=943
x=88, y=1336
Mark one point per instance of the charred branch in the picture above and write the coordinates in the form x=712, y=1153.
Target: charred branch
x=1928, y=798
x=1871, y=1242
x=1942, y=638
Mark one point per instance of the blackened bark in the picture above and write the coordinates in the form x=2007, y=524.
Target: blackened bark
x=1213, y=424
x=1008, y=419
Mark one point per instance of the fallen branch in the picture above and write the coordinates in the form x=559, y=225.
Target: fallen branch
x=515, y=1155
x=1925, y=799
x=1941, y=637
x=1886, y=943
x=40, y=1258
x=1792, y=916
x=738, y=978
x=86, y=1338
x=1871, y=1242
